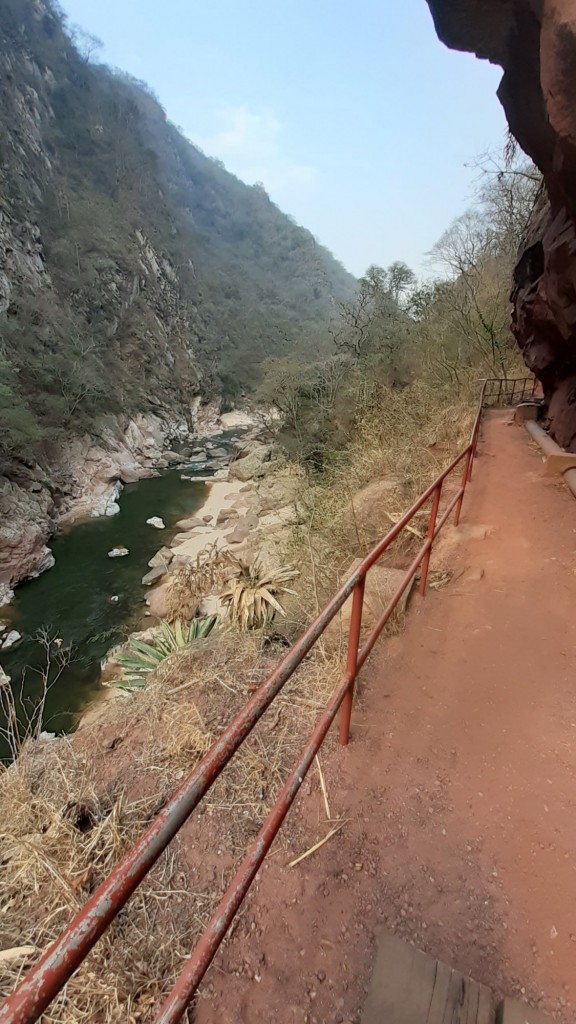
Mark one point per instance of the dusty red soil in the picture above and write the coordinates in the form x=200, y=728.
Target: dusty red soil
x=458, y=788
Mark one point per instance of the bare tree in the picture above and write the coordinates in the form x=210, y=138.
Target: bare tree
x=326, y=378
x=23, y=718
x=86, y=43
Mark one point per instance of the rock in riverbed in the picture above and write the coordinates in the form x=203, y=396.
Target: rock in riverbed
x=189, y=524
x=118, y=552
x=154, y=575
x=251, y=466
x=157, y=601
x=157, y=522
x=225, y=514
x=10, y=639
x=161, y=559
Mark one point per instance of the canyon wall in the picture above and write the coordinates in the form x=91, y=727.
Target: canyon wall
x=534, y=41
x=138, y=281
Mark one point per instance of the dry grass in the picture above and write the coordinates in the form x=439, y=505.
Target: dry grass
x=397, y=451
x=212, y=685
x=64, y=836
x=193, y=581
x=76, y=804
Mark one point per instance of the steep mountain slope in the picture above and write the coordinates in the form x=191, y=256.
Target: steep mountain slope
x=137, y=276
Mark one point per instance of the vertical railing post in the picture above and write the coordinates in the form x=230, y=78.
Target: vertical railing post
x=475, y=435
x=513, y=393
x=465, y=478
x=472, y=457
x=352, y=660
x=430, y=537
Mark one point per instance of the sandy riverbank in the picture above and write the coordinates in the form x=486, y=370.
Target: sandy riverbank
x=222, y=495
x=234, y=533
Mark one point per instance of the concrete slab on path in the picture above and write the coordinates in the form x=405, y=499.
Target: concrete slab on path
x=513, y=1012
x=409, y=987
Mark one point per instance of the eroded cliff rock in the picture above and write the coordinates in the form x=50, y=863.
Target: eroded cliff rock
x=85, y=480
x=534, y=41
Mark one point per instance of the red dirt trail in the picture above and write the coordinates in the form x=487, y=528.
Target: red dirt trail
x=458, y=788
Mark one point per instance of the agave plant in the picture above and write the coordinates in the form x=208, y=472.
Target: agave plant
x=140, y=658
x=251, y=597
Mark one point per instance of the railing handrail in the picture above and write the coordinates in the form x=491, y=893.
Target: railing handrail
x=513, y=389
x=46, y=978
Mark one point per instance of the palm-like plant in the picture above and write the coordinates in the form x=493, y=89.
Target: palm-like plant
x=140, y=658
x=251, y=597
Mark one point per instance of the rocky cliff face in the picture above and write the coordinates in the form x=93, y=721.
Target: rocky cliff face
x=534, y=41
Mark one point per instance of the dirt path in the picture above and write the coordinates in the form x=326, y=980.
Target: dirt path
x=459, y=787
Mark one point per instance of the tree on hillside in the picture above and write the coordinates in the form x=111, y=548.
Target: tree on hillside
x=372, y=324
x=477, y=252
x=507, y=191
x=395, y=330
x=400, y=280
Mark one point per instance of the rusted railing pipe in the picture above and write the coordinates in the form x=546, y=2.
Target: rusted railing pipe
x=446, y=513
x=393, y=602
x=352, y=660
x=430, y=535
x=475, y=435
x=183, y=990
x=465, y=479
x=52, y=971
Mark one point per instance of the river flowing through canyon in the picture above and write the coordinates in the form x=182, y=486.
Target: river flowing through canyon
x=89, y=602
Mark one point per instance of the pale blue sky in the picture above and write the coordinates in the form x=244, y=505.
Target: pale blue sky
x=356, y=118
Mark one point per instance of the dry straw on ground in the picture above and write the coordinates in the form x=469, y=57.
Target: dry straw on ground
x=71, y=807
x=193, y=580
x=62, y=835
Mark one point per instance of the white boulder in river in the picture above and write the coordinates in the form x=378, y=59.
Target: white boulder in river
x=4, y=678
x=10, y=639
x=118, y=552
x=157, y=522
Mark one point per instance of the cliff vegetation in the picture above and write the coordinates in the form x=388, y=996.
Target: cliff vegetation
x=135, y=272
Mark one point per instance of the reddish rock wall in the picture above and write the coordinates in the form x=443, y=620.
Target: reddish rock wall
x=534, y=41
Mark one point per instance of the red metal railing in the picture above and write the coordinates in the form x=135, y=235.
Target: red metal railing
x=58, y=963
x=510, y=391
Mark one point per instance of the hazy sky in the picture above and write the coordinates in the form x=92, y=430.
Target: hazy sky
x=356, y=118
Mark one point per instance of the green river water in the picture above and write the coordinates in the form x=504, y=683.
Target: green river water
x=72, y=600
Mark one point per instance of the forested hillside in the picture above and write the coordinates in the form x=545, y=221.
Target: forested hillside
x=135, y=273
x=444, y=332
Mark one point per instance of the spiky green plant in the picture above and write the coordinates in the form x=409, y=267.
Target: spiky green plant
x=140, y=658
x=251, y=597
